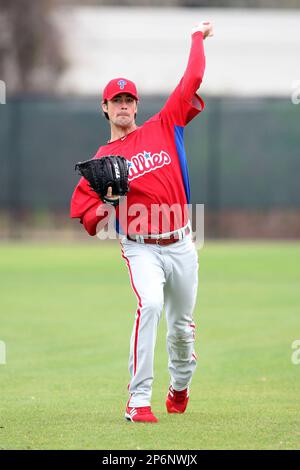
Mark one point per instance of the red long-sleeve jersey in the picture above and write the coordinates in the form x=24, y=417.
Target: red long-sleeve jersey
x=158, y=172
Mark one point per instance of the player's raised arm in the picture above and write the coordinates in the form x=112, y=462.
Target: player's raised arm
x=184, y=103
x=194, y=72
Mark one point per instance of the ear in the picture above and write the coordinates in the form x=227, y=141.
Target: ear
x=104, y=107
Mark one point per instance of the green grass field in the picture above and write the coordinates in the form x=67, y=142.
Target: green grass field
x=66, y=317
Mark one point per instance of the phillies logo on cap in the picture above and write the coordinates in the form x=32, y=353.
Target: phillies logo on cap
x=122, y=84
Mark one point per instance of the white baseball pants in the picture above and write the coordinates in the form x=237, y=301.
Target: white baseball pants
x=161, y=276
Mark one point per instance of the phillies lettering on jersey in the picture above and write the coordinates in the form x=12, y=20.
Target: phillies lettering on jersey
x=144, y=162
x=158, y=171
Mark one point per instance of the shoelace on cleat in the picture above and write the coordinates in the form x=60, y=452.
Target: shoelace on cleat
x=179, y=396
x=144, y=409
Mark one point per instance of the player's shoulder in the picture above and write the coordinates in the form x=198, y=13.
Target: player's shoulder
x=153, y=119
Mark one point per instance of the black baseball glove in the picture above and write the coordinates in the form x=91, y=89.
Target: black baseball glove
x=104, y=172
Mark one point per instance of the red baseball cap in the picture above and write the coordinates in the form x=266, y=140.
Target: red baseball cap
x=117, y=86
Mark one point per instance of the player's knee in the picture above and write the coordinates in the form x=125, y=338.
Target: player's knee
x=180, y=335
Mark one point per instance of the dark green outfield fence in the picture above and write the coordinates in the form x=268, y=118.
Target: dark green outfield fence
x=242, y=153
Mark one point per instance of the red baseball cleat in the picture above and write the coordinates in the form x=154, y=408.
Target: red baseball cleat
x=177, y=401
x=141, y=414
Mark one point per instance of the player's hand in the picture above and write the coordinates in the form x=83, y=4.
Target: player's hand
x=110, y=194
x=206, y=27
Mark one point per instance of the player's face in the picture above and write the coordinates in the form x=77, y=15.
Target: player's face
x=121, y=110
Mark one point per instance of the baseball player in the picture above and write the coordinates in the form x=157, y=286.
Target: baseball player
x=162, y=262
